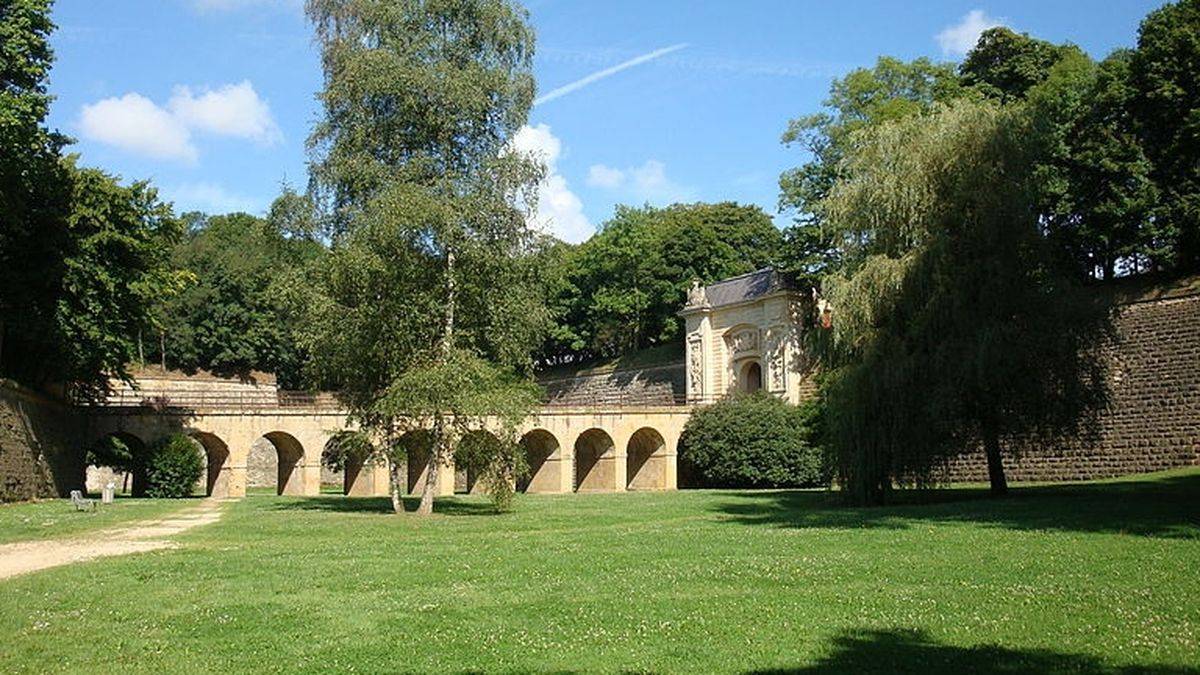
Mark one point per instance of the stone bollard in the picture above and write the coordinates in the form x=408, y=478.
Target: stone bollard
x=106, y=495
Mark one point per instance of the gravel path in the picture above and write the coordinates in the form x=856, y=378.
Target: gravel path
x=148, y=535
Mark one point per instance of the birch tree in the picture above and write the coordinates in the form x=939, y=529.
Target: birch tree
x=426, y=312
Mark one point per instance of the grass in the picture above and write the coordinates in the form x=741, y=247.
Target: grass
x=1093, y=578
x=57, y=518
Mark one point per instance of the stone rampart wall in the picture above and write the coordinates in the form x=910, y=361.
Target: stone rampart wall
x=1153, y=421
x=40, y=455
x=658, y=385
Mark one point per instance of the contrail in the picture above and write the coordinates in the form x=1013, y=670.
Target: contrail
x=600, y=75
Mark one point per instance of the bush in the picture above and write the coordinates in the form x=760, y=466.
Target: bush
x=755, y=441
x=173, y=467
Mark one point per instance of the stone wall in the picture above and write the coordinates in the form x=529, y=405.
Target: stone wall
x=1153, y=421
x=40, y=452
x=658, y=385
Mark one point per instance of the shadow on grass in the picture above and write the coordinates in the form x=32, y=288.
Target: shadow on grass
x=446, y=506
x=1166, y=506
x=912, y=651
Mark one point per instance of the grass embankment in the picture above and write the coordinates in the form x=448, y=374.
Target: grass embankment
x=1084, y=578
x=57, y=518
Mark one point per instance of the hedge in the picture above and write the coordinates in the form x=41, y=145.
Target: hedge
x=173, y=467
x=754, y=441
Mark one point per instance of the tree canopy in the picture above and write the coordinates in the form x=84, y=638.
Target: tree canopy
x=620, y=290
x=1165, y=75
x=1115, y=172
x=1005, y=65
x=234, y=318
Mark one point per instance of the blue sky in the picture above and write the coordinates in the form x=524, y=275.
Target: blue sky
x=213, y=99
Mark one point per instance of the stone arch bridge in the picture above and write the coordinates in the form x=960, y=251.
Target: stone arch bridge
x=600, y=432
x=599, y=448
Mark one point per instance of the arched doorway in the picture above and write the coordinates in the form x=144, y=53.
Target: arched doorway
x=750, y=377
x=544, y=460
x=646, y=461
x=595, y=456
x=276, y=460
x=216, y=452
x=117, y=458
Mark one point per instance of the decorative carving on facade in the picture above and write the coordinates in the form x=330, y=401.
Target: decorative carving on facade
x=777, y=361
x=744, y=342
x=695, y=353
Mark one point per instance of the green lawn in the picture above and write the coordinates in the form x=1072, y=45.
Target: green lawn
x=57, y=518
x=1086, y=578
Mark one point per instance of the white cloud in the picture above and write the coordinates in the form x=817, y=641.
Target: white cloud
x=232, y=110
x=559, y=210
x=646, y=183
x=606, y=177
x=138, y=125
x=210, y=198
x=958, y=39
x=134, y=123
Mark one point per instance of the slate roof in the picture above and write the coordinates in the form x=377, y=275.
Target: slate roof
x=747, y=287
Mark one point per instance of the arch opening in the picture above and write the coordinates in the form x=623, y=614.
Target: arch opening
x=544, y=461
x=216, y=453
x=417, y=447
x=646, y=461
x=475, y=449
x=276, y=460
x=342, y=462
x=116, y=457
x=595, y=465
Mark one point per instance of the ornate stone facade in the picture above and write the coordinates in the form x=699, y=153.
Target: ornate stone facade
x=743, y=334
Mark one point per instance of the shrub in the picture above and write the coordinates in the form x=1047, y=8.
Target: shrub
x=755, y=441
x=173, y=466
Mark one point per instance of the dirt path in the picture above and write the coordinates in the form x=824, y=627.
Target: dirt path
x=147, y=535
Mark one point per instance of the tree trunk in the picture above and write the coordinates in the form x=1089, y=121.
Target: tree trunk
x=431, y=468
x=991, y=445
x=451, y=299
x=439, y=427
x=395, y=484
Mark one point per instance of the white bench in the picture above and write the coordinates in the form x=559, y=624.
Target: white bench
x=81, y=503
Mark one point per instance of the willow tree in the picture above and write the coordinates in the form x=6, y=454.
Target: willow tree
x=953, y=328
x=424, y=314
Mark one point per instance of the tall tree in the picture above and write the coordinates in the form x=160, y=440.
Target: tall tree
x=115, y=270
x=953, y=327
x=1004, y=65
x=864, y=98
x=1092, y=183
x=82, y=257
x=34, y=187
x=427, y=304
x=1165, y=72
